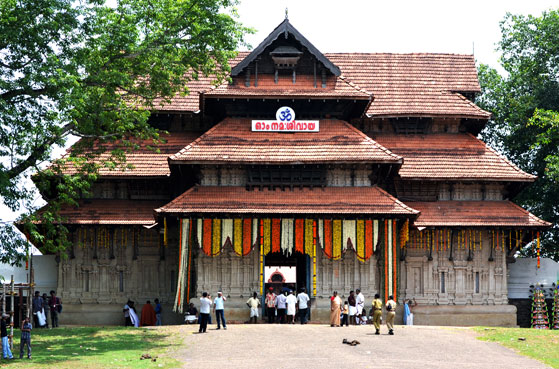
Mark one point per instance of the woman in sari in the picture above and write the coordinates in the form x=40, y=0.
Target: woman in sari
x=335, y=310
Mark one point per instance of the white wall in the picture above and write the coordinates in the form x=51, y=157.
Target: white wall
x=46, y=273
x=524, y=272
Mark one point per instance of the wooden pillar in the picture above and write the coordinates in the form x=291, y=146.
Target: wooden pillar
x=94, y=242
x=112, y=233
x=136, y=250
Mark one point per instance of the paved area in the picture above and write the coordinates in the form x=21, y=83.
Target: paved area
x=320, y=346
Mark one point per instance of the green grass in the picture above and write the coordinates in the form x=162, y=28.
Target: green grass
x=540, y=344
x=97, y=347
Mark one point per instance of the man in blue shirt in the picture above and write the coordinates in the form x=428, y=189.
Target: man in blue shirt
x=218, y=309
x=157, y=312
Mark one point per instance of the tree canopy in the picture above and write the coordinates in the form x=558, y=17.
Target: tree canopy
x=525, y=106
x=93, y=69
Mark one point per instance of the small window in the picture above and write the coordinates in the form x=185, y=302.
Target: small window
x=443, y=286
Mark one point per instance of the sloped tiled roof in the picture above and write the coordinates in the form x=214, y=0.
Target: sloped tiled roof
x=336, y=88
x=414, y=84
x=106, y=212
x=329, y=200
x=474, y=214
x=450, y=156
x=146, y=162
x=402, y=84
x=232, y=141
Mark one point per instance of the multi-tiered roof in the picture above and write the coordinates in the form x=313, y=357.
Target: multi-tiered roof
x=348, y=87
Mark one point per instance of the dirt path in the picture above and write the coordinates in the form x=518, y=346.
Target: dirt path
x=320, y=346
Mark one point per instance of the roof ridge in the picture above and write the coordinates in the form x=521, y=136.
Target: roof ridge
x=503, y=158
x=190, y=145
x=471, y=103
x=354, y=85
x=379, y=146
x=397, y=201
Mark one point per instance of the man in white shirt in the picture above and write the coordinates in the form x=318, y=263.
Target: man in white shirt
x=219, y=309
x=205, y=305
x=291, y=307
x=303, y=301
x=360, y=304
x=253, y=303
x=281, y=301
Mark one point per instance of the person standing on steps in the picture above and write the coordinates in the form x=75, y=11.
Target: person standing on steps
x=377, y=313
x=391, y=313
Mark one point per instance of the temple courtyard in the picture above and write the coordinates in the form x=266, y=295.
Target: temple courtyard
x=289, y=346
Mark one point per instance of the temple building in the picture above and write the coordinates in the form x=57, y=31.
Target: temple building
x=355, y=170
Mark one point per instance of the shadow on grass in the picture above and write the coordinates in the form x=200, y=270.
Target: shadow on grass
x=92, y=344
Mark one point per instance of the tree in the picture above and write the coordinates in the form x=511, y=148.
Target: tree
x=524, y=103
x=94, y=70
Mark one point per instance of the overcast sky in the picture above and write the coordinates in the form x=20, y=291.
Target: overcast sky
x=392, y=26
x=382, y=26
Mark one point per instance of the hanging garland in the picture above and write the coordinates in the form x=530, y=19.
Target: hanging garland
x=405, y=234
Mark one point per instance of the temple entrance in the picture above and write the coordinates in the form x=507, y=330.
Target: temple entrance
x=286, y=272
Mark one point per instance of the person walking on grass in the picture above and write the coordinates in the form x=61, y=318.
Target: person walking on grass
x=391, y=313
x=377, y=313
x=25, y=338
x=6, y=352
x=253, y=304
x=219, y=310
x=205, y=305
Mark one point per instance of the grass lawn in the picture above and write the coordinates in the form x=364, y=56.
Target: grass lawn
x=539, y=344
x=97, y=347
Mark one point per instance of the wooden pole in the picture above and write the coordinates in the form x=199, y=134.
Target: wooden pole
x=12, y=293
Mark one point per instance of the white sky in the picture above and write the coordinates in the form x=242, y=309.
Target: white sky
x=386, y=26
x=392, y=26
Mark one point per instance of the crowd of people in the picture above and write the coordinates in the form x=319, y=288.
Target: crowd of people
x=286, y=307
x=149, y=316
x=43, y=306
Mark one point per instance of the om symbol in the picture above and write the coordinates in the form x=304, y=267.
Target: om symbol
x=285, y=114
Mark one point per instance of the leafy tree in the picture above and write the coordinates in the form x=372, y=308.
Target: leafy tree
x=524, y=103
x=94, y=70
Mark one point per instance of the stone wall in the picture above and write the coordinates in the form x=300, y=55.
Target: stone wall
x=458, y=282
x=98, y=280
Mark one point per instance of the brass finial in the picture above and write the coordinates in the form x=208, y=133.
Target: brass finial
x=286, y=13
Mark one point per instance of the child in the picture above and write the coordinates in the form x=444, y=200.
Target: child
x=345, y=312
x=25, y=338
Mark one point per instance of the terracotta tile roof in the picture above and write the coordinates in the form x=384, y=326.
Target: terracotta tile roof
x=414, y=84
x=450, y=156
x=402, y=84
x=146, y=162
x=474, y=214
x=232, y=141
x=330, y=200
x=132, y=212
x=336, y=87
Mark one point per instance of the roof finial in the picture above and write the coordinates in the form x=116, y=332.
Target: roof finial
x=286, y=13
